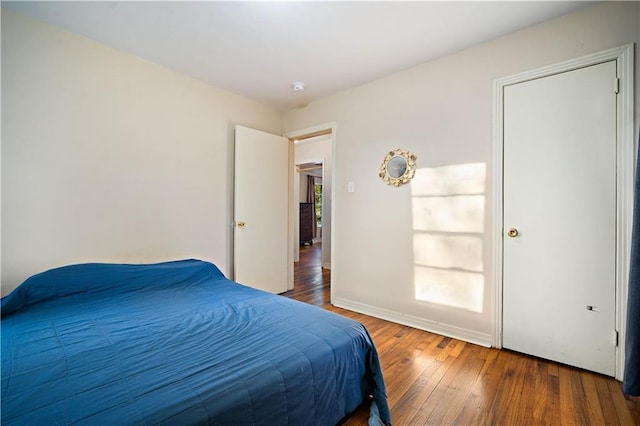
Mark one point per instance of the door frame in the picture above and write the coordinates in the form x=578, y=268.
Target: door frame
x=625, y=144
x=296, y=203
x=329, y=129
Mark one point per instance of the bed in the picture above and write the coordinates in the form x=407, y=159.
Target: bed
x=177, y=343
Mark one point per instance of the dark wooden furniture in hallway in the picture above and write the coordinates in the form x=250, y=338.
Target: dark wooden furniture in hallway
x=306, y=223
x=437, y=380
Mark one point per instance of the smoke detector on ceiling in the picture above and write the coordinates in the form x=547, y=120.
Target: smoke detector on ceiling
x=298, y=87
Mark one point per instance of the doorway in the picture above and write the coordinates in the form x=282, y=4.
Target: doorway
x=312, y=165
x=310, y=198
x=550, y=290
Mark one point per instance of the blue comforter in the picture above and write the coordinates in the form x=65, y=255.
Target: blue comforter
x=177, y=343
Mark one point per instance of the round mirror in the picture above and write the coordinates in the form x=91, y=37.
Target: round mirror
x=398, y=167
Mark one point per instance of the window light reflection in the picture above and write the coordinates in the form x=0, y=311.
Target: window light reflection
x=448, y=222
x=458, y=289
x=461, y=213
x=448, y=251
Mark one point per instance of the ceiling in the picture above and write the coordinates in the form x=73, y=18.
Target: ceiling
x=313, y=169
x=258, y=49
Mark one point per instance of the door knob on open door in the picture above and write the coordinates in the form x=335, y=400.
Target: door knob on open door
x=512, y=232
x=241, y=224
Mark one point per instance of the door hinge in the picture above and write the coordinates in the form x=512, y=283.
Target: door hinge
x=616, y=337
x=616, y=85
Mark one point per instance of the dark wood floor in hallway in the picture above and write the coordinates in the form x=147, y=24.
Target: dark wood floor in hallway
x=436, y=380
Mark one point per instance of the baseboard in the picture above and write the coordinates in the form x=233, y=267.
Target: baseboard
x=482, y=339
x=326, y=265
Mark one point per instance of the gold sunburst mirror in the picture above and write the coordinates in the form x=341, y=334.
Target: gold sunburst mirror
x=398, y=167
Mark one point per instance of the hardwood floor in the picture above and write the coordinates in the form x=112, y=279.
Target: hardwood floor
x=436, y=380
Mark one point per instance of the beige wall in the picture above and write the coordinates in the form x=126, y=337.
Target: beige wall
x=442, y=112
x=106, y=157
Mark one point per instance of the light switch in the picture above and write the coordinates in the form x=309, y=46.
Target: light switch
x=351, y=187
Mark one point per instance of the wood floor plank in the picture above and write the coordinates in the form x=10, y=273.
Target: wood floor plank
x=419, y=393
x=553, y=389
x=594, y=407
x=605, y=400
x=432, y=379
x=459, y=392
x=410, y=381
x=580, y=398
x=433, y=408
x=483, y=391
x=406, y=377
x=622, y=409
x=567, y=406
x=503, y=411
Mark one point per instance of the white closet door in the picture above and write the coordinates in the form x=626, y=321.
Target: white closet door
x=560, y=205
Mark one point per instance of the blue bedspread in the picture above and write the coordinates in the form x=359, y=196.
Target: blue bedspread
x=177, y=343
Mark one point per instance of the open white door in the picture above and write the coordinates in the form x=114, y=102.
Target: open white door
x=261, y=207
x=559, y=264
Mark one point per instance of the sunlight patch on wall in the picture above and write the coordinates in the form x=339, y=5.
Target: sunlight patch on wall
x=436, y=250
x=458, y=289
x=462, y=213
x=448, y=222
x=449, y=180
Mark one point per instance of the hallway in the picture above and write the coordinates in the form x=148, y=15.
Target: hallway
x=311, y=282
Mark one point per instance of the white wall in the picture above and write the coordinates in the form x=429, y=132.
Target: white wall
x=106, y=157
x=319, y=150
x=442, y=112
